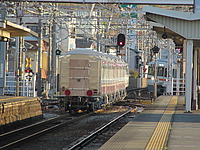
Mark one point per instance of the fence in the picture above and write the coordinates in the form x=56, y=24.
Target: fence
x=26, y=85
x=176, y=86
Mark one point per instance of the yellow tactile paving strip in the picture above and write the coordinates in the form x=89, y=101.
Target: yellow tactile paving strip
x=150, y=130
x=160, y=135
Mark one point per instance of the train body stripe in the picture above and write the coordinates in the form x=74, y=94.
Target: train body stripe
x=158, y=79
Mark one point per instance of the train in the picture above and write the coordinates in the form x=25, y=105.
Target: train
x=162, y=67
x=89, y=80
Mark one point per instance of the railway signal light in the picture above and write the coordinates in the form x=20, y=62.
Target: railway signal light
x=29, y=70
x=58, y=52
x=164, y=36
x=4, y=39
x=179, y=47
x=121, y=40
x=155, y=49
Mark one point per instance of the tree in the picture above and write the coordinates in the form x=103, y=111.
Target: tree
x=133, y=74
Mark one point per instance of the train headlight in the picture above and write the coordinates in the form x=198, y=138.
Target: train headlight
x=67, y=92
x=89, y=93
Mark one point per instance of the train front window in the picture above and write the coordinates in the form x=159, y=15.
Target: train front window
x=160, y=71
x=150, y=70
x=165, y=72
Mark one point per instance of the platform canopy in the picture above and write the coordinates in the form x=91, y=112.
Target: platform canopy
x=177, y=25
x=183, y=28
x=9, y=29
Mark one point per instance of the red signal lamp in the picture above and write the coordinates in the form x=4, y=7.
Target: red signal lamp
x=121, y=40
x=28, y=70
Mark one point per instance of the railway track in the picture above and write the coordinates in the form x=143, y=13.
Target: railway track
x=86, y=140
x=63, y=131
x=15, y=137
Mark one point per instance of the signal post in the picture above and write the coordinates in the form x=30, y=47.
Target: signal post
x=120, y=43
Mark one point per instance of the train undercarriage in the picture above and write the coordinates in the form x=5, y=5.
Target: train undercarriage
x=75, y=104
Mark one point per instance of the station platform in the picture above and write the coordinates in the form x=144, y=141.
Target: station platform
x=14, y=109
x=163, y=125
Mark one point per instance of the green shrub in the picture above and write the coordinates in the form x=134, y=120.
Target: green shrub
x=133, y=74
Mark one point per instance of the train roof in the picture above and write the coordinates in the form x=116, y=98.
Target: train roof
x=87, y=51
x=162, y=63
x=158, y=63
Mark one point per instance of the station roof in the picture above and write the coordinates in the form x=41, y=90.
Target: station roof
x=9, y=29
x=177, y=25
x=140, y=2
x=172, y=13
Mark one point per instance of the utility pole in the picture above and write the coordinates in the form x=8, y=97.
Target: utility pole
x=53, y=74
x=98, y=33
x=3, y=46
x=49, y=54
x=19, y=56
x=18, y=51
x=39, y=80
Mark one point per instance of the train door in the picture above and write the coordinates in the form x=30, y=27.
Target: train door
x=79, y=77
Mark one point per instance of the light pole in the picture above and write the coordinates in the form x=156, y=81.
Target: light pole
x=155, y=50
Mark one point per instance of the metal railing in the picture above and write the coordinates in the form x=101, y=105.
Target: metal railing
x=26, y=85
x=176, y=86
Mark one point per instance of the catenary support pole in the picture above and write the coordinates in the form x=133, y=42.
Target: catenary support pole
x=39, y=79
x=3, y=46
x=54, y=46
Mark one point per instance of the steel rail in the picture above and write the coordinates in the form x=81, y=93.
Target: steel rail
x=11, y=138
x=29, y=126
x=87, y=139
